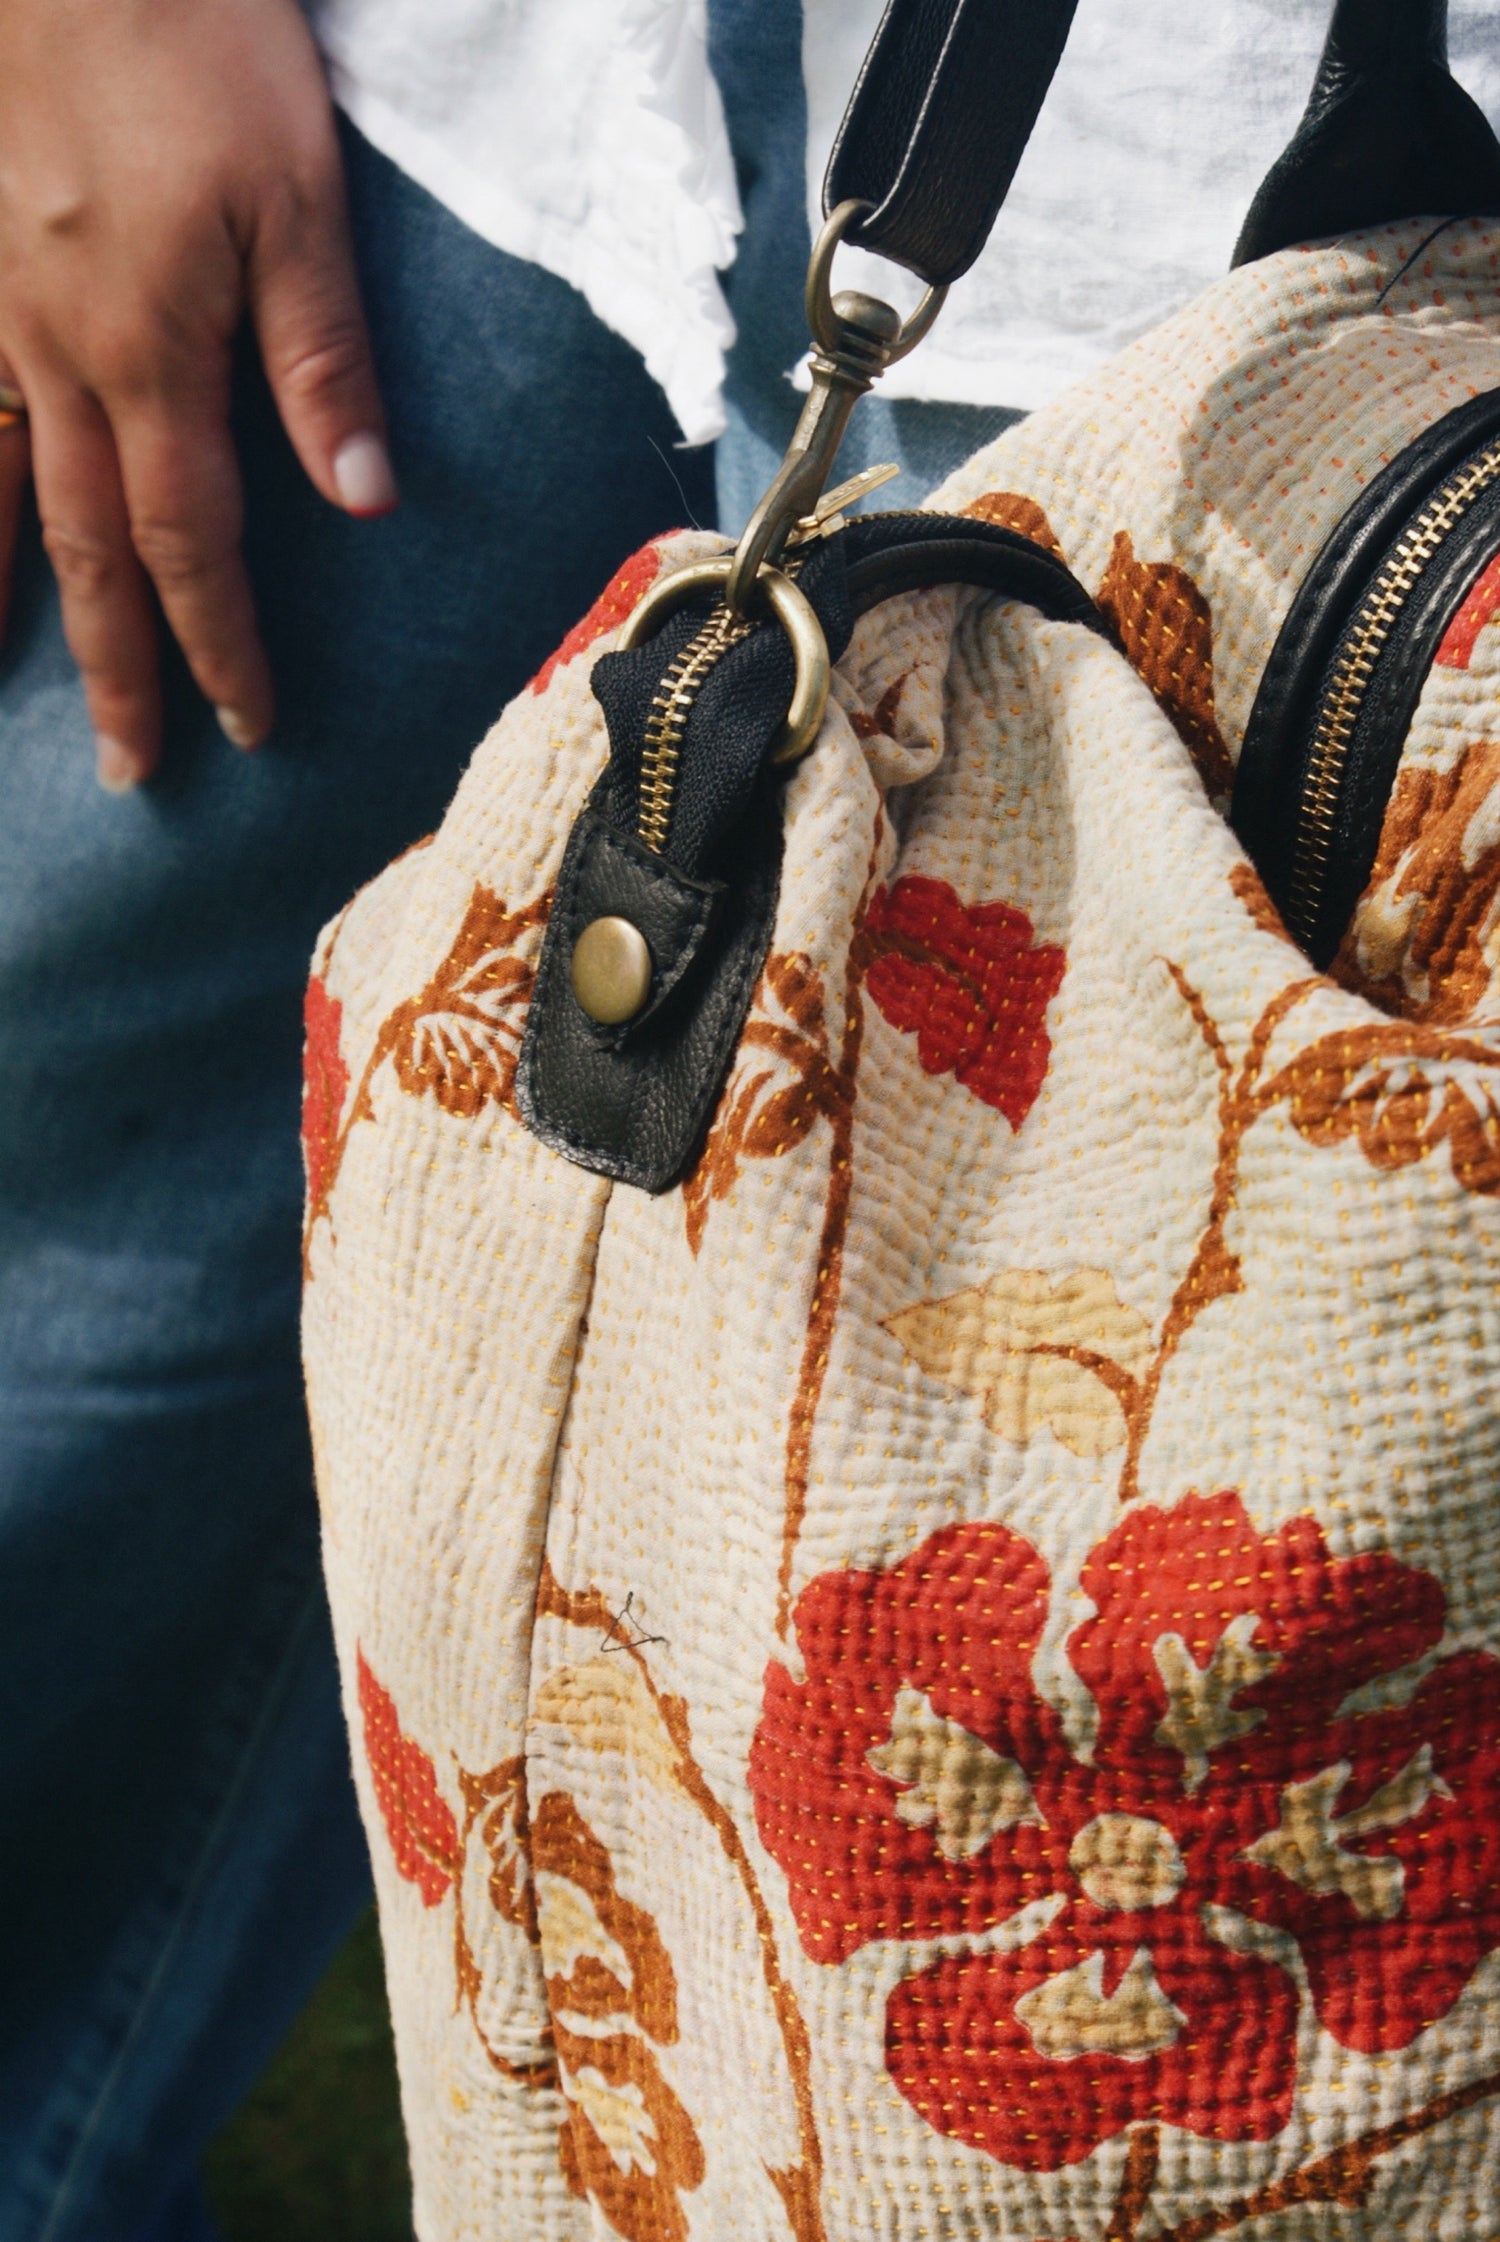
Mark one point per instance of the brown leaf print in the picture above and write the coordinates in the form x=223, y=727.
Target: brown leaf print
x=1420, y=939
x=1399, y=1091
x=496, y=1802
x=1251, y=890
x=782, y=1082
x=603, y=1955
x=1013, y=511
x=879, y=722
x=626, y=2142
x=459, y=1040
x=1165, y=631
x=799, y=2185
x=1344, y=2177
x=605, y=1706
x=1214, y=1271
x=428, y=1848
x=1136, y=2182
x=1063, y=1354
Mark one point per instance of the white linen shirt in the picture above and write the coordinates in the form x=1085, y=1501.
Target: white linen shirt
x=588, y=136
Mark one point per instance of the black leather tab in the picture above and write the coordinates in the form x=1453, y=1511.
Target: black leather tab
x=938, y=122
x=608, y=874
x=635, y=1102
x=1388, y=133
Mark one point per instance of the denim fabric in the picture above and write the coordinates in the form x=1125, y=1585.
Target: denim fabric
x=179, y=1851
x=755, y=47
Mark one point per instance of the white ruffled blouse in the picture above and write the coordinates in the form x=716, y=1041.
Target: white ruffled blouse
x=588, y=136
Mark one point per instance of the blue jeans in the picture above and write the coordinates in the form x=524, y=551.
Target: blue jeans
x=179, y=1849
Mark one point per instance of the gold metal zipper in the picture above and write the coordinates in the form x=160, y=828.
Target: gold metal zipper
x=672, y=703
x=670, y=710
x=1363, y=645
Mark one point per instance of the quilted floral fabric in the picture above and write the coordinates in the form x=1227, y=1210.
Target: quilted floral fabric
x=943, y=1678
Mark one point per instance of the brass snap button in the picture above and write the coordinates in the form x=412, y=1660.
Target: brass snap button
x=611, y=971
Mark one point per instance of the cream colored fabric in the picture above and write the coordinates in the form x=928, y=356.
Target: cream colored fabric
x=942, y=1679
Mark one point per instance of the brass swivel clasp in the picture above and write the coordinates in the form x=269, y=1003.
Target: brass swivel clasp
x=855, y=337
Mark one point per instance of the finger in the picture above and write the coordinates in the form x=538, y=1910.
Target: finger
x=106, y=601
x=15, y=472
x=186, y=507
x=304, y=298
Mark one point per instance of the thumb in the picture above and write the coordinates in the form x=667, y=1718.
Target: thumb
x=304, y=299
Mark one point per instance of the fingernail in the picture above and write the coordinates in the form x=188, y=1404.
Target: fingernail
x=115, y=766
x=238, y=728
x=362, y=475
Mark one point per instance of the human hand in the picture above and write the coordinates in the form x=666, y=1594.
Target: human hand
x=166, y=165
x=15, y=469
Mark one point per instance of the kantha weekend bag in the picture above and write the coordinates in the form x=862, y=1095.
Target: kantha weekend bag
x=904, y=1346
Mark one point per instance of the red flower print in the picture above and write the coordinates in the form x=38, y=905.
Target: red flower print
x=1219, y=1795
x=621, y=596
x=971, y=982
x=1459, y=639
x=427, y=1846
x=418, y=1820
x=325, y=1083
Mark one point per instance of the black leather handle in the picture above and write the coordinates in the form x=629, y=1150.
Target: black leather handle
x=937, y=123
x=951, y=89
x=1388, y=133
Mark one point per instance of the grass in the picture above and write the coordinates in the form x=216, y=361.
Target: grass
x=317, y=2153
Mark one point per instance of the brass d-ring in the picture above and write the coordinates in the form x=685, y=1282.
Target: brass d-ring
x=795, y=613
x=669, y=593
x=822, y=314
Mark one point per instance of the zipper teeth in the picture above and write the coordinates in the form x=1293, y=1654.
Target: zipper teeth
x=670, y=710
x=1344, y=699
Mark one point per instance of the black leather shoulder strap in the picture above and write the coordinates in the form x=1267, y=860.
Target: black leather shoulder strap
x=943, y=109
x=1388, y=133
